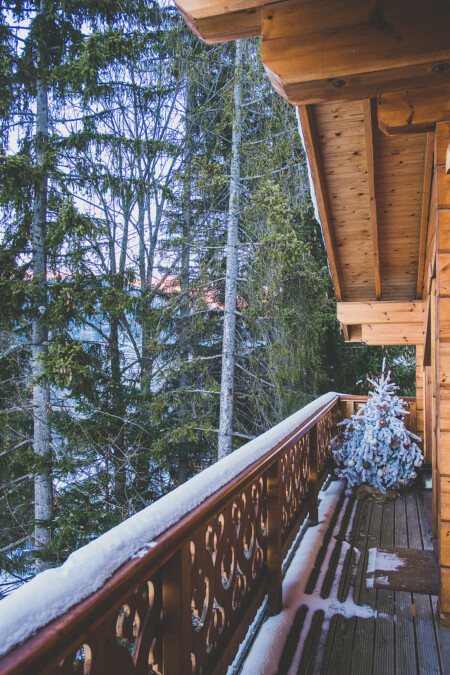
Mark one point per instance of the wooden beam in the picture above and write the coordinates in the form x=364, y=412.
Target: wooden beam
x=393, y=334
x=217, y=21
x=322, y=50
x=368, y=109
x=354, y=334
x=382, y=312
x=413, y=110
x=426, y=196
x=308, y=124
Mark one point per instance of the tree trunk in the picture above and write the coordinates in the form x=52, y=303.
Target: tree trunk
x=116, y=426
x=183, y=468
x=43, y=493
x=225, y=443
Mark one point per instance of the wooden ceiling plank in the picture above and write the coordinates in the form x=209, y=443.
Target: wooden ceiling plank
x=379, y=312
x=308, y=124
x=426, y=196
x=368, y=109
x=413, y=110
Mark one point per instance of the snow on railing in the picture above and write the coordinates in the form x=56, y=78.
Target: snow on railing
x=177, y=584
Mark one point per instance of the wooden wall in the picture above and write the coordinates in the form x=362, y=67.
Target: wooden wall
x=420, y=398
x=442, y=361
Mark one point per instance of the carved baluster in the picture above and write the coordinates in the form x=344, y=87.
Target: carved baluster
x=274, y=553
x=313, y=475
x=177, y=613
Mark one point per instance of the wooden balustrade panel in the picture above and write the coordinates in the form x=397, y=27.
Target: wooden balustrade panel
x=128, y=641
x=190, y=615
x=228, y=556
x=295, y=471
x=324, y=453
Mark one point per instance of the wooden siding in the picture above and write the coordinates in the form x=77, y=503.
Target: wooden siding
x=442, y=337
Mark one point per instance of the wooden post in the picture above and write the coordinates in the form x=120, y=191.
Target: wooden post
x=313, y=476
x=420, y=376
x=442, y=337
x=177, y=613
x=335, y=418
x=274, y=552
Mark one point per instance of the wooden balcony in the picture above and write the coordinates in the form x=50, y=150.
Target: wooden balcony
x=185, y=603
x=333, y=623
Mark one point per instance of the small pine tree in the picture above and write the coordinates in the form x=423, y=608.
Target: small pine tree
x=375, y=448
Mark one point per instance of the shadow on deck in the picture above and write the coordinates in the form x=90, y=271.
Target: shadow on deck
x=340, y=626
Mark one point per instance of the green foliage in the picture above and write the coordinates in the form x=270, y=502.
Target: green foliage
x=136, y=180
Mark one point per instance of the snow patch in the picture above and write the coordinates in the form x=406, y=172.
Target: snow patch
x=144, y=551
x=54, y=591
x=382, y=581
x=388, y=562
x=372, y=564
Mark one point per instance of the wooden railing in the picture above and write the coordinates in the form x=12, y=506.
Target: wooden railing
x=186, y=604
x=349, y=405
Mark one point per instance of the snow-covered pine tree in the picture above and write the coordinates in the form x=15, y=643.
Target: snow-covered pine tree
x=375, y=448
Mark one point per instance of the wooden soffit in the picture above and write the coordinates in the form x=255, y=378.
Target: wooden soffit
x=373, y=196
x=323, y=50
x=370, y=78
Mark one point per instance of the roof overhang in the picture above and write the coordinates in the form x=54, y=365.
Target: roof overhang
x=370, y=81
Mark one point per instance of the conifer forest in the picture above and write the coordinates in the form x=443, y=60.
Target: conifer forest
x=164, y=288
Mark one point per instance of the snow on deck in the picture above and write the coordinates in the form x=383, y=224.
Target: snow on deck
x=268, y=647
x=330, y=621
x=53, y=592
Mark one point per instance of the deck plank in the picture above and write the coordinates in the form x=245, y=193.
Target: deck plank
x=405, y=649
x=365, y=628
x=443, y=640
x=426, y=643
x=311, y=644
x=384, y=654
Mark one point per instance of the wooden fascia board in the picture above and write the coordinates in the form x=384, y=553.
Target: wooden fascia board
x=426, y=196
x=368, y=109
x=216, y=21
x=413, y=110
x=393, y=334
x=381, y=312
x=310, y=137
x=223, y=27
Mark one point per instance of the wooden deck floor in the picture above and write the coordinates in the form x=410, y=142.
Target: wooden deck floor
x=403, y=636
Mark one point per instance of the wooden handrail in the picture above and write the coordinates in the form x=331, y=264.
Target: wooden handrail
x=186, y=604
x=348, y=404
